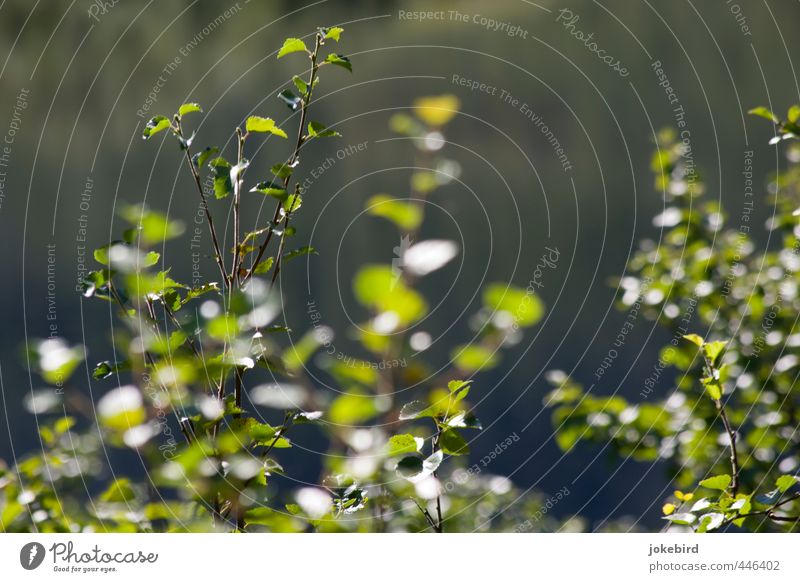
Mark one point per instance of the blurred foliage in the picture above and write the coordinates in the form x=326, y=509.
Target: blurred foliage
x=728, y=431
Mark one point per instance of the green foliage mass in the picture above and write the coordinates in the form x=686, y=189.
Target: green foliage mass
x=726, y=427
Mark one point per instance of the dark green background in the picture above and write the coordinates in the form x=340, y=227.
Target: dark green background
x=87, y=79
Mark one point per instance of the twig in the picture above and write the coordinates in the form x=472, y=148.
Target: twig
x=196, y=175
x=237, y=188
x=305, y=103
x=712, y=373
x=734, y=457
x=426, y=513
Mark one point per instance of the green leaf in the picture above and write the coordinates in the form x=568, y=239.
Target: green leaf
x=264, y=434
x=334, y=32
x=402, y=444
x=189, y=108
x=151, y=259
x=292, y=45
x=290, y=99
x=765, y=113
x=316, y=129
x=413, y=467
x=794, y=114
x=416, y=409
x=282, y=171
x=302, y=417
x=712, y=350
x=101, y=253
x=63, y=424
x=153, y=226
x=453, y=443
x=223, y=328
x=107, y=368
x=352, y=409
x=432, y=463
x=339, y=60
x=525, y=308
x=682, y=518
x=785, y=482
x=472, y=358
x=142, y=284
x=464, y=420
x=455, y=385
x=459, y=389
x=200, y=158
x=710, y=522
x=256, y=124
x=222, y=177
x=299, y=252
x=701, y=504
x=406, y=215
x=155, y=125
x=292, y=203
x=264, y=266
x=198, y=291
x=409, y=467
x=301, y=85
x=272, y=188
x=380, y=287
x=121, y=409
x=695, y=339
x=120, y=491
x=713, y=387
x=719, y=482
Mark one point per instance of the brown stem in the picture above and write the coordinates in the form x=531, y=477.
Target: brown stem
x=237, y=391
x=426, y=513
x=237, y=187
x=438, y=526
x=196, y=175
x=734, y=457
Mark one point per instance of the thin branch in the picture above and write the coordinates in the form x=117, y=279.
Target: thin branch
x=712, y=373
x=305, y=103
x=237, y=192
x=734, y=456
x=196, y=175
x=426, y=513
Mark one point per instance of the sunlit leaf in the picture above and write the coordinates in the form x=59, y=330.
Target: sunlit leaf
x=189, y=108
x=256, y=124
x=292, y=45
x=339, y=60
x=155, y=125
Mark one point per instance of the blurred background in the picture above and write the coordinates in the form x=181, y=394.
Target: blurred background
x=76, y=79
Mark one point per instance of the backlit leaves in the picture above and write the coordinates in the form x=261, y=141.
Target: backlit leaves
x=316, y=129
x=292, y=45
x=340, y=61
x=256, y=124
x=407, y=215
x=221, y=169
x=188, y=108
x=719, y=482
x=523, y=306
x=155, y=125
